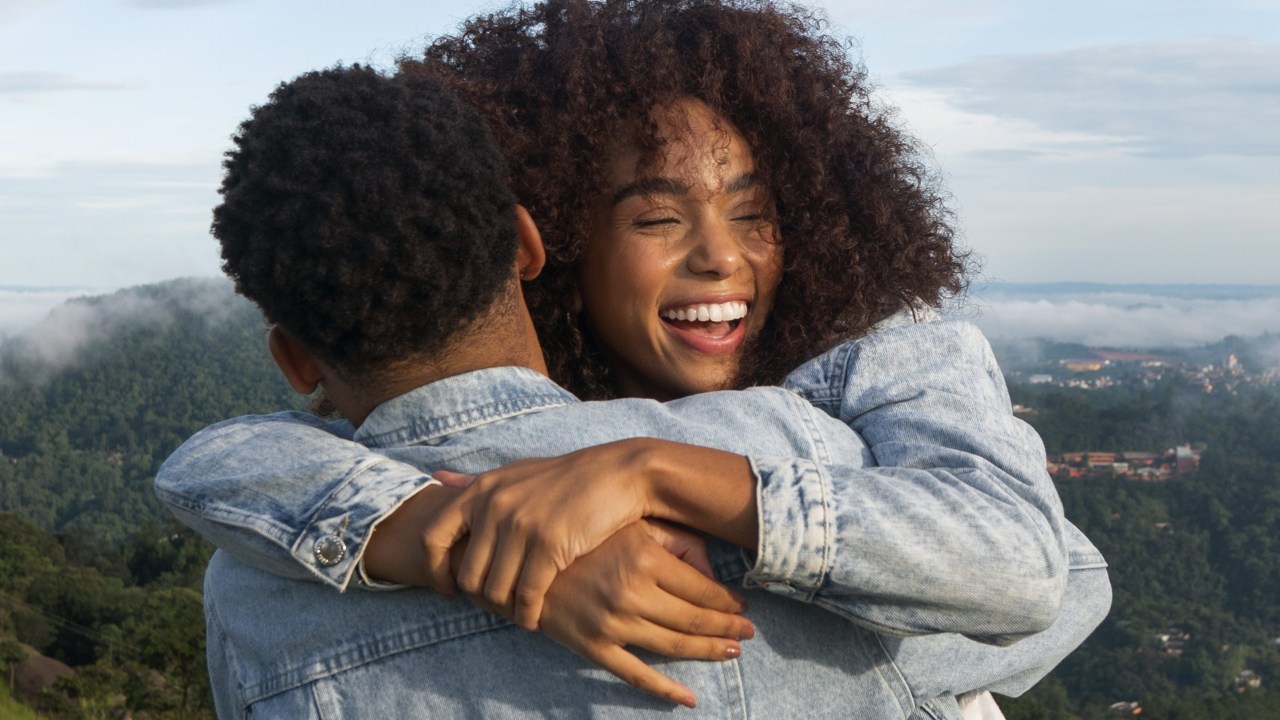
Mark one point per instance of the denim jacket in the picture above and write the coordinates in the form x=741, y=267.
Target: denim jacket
x=288, y=648
x=916, y=548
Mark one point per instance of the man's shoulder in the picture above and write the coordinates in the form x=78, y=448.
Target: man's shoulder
x=759, y=399
x=756, y=399
x=769, y=419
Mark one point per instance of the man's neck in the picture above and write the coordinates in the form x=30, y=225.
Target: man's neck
x=488, y=347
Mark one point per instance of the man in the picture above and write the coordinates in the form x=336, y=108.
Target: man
x=368, y=218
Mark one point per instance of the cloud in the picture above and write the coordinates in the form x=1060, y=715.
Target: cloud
x=107, y=224
x=21, y=308
x=1268, y=351
x=11, y=10
x=31, y=83
x=1126, y=318
x=176, y=4
x=1013, y=155
x=59, y=340
x=858, y=13
x=1199, y=97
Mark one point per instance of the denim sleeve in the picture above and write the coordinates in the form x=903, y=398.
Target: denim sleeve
x=946, y=664
x=959, y=529
x=287, y=493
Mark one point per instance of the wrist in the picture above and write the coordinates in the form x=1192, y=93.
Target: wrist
x=709, y=490
x=655, y=464
x=394, y=552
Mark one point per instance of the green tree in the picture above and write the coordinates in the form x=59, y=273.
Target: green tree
x=11, y=653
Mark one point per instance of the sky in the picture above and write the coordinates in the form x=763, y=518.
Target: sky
x=1116, y=141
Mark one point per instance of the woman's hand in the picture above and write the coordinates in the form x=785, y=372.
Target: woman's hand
x=529, y=520
x=649, y=585
x=636, y=590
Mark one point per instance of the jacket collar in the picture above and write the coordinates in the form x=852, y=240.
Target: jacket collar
x=458, y=403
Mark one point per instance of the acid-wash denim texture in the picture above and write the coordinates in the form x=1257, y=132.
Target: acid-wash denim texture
x=852, y=539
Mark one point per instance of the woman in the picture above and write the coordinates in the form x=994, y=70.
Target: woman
x=862, y=223
x=640, y=126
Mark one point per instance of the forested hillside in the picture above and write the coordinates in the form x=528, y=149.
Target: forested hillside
x=96, y=397
x=94, y=575
x=93, y=572
x=1194, y=631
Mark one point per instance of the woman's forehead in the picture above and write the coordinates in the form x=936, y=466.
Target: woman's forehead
x=694, y=146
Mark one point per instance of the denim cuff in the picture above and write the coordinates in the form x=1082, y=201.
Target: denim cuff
x=794, y=552
x=332, y=544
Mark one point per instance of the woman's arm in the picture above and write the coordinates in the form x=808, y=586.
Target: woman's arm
x=968, y=505
x=961, y=530
x=286, y=493
x=276, y=490
x=529, y=520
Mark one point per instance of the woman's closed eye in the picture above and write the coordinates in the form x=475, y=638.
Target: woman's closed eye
x=655, y=222
x=755, y=221
x=751, y=210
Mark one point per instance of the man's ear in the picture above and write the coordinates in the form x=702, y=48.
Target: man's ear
x=530, y=256
x=295, y=361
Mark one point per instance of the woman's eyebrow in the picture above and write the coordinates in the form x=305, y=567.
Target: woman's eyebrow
x=651, y=186
x=745, y=181
x=672, y=186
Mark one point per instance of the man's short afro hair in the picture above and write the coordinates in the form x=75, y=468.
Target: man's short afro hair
x=370, y=216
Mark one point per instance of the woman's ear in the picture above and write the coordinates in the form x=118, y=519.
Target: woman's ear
x=295, y=361
x=531, y=255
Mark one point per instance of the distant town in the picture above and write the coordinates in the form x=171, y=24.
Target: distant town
x=1225, y=367
x=1139, y=465
x=1077, y=367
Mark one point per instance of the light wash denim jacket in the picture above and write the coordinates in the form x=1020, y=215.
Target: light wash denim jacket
x=891, y=548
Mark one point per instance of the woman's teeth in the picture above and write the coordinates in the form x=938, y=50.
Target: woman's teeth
x=715, y=312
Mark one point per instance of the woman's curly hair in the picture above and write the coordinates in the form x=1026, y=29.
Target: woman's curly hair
x=564, y=83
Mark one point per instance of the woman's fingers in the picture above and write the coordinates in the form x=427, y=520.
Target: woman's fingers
x=685, y=645
x=509, y=571
x=631, y=591
x=505, y=586
x=473, y=573
x=696, y=613
x=515, y=583
x=539, y=572
x=635, y=673
x=690, y=631
x=687, y=583
x=448, y=478
x=439, y=534
x=530, y=519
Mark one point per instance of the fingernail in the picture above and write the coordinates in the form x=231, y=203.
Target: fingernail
x=748, y=632
x=689, y=701
x=732, y=652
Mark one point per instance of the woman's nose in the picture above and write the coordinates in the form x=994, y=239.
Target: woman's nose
x=715, y=251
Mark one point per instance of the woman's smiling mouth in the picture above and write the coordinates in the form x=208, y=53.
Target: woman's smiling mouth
x=711, y=328
x=704, y=312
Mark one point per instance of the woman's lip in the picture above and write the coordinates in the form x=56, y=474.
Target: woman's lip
x=707, y=300
x=710, y=345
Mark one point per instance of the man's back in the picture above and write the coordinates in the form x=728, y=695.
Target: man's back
x=286, y=648
x=296, y=649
